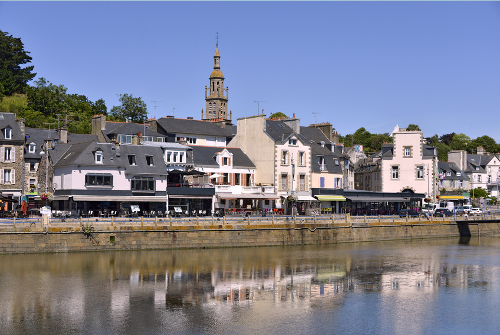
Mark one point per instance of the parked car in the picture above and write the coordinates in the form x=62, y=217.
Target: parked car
x=476, y=211
x=460, y=210
x=443, y=212
x=408, y=212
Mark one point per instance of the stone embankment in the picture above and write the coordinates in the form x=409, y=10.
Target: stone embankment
x=99, y=234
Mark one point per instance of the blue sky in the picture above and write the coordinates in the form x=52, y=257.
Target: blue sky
x=353, y=64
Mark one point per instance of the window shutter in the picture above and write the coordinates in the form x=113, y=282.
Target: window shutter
x=297, y=184
x=2, y=155
x=289, y=156
x=13, y=155
x=306, y=182
x=229, y=161
x=12, y=176
x=1, y=176
x=289, y=182
x=36, y=166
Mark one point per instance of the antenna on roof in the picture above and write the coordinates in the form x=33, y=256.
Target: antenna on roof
x=155, y=101
x=314, y=113
x=173, y=110
x=258, y=105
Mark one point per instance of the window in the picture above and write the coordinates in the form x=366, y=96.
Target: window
x=489, y=169
x=225, y=161
x=284, y=182
x=125, y=138
x=448, y=173
x=149, y=161
x=395, y=172
x=131, y=160
x=489, y=179
x=249, y=179
x=98, y=157
x=7, y=154
x=8, y=133
x=8, y=176
x=479, y=178
x=460, y=183
x=459, y=174
x=302, y=182
x=169, y=157
x=191, y=140
x=321, y=162
x=452, y=183
x=292, y=141
x=225, y=178
x=301, y=159
x=32, y=167
x=142, y=184
x=336, y=162
x=284, y=157
x=175, y=157
x=236, y=179
x=181, y=157
x=32, y=147
x=98, y=179
x=477, y=168
x=420, y=172
x=407, y=151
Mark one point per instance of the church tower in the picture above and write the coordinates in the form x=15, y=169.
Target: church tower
x=216, y=95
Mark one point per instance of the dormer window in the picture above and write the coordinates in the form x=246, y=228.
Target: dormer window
x=459, y=174
x=98, y=157
x=32, y=147
x=477, y=168
x=292, y=141
x=131, y=159
x=225, y=160
x=8, y=133
x=149, y=161
x=448, y=173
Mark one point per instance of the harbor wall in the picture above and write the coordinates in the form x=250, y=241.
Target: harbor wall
x=114, y=237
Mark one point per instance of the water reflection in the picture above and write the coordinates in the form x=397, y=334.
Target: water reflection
x=353, y=287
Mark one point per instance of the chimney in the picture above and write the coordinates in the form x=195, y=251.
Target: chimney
x=189, y=117
x=480, y=150
x=63, y=135
x=136, y=140
x=170, y=116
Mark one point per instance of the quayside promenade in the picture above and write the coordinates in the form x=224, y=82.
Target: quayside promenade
x=33, y=235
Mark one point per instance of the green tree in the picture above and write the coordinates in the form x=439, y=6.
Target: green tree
x=459, y=142
x=376, y=141
x=478, y=192
x=362, y=136
x=412, y=127
x=99, y=107
x=13, y=77
x=132, y=109
x=278, y=115
x=486, y=142
x=447, y=138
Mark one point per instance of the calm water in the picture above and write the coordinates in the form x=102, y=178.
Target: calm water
x=423, y=287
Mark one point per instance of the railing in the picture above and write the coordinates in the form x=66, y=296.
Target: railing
x=110, y=224
x=189, y=185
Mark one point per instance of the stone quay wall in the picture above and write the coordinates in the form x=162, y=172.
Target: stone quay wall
x=101, y=236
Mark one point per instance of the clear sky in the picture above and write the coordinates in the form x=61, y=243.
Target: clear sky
x=353, y=64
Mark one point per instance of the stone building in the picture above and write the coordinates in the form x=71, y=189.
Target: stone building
x=216, y=96
x=11, y=159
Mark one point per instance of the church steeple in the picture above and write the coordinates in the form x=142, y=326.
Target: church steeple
x=216, y=96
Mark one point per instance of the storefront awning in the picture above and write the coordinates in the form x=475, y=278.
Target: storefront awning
x=121, y=199
x=376, y=199
x=306, y=198
x=330, y=198
x=263, y=196
x=451, y=197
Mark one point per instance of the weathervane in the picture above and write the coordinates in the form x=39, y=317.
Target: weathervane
x=217, y=38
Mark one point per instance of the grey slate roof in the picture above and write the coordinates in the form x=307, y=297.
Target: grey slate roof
x=453, y=168
x=330, y=157
x=129, y=128
x=194, y=127
x=205, y=157
x=39, y=136
x=82, y=154
x=314, y=134
x=9, y=120
x=480, y=161
x=280, y=132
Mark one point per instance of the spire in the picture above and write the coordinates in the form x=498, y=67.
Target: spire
x=217, y=49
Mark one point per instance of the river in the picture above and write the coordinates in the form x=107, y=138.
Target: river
x=439, y=286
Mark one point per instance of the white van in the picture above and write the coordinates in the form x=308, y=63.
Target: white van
x=429, y=208
x=467, y=208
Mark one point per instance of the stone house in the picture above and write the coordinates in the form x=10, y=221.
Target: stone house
x=11, y=159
